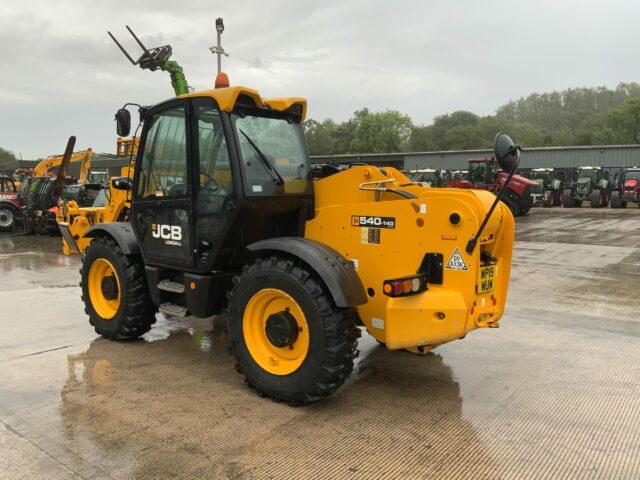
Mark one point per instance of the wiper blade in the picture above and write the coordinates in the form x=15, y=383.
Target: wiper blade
x=277, y=178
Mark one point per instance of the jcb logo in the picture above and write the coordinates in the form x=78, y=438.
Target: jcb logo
x=167, y=232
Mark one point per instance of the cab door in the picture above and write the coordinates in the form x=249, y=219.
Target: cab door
x=216, y=199
x=162, y=203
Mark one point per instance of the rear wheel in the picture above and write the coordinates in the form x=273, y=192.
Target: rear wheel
x=548, y=199
x=8, y=217
x=595, y=199
x=615, y=200
x=567, y=199
x=289, y=339
x=115, y=292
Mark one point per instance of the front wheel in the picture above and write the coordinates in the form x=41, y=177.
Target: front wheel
x=595, y=199
x=289, y=339
x=616, y=202
x=8, y=217
x=548, y=199
x=115, y=291
x=567, y=199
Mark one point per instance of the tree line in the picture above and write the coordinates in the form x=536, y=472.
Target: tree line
x=575, y=116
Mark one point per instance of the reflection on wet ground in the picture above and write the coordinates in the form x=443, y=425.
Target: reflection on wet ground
x=553, y=393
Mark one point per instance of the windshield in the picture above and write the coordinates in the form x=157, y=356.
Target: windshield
x=425, y=177
x=632, y=175
x=282, y=145
x=541, y=177
x=591, y=173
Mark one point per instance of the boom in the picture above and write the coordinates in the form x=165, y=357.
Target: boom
x=53, y=161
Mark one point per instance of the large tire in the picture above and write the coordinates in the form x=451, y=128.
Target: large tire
x=8, y=217
x=616, y=202
x=595, y=198
x=567, y=198
x=309, y=365
x=120, y=308
x=548, y=199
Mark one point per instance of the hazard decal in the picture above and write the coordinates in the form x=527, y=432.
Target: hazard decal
x=456, y=262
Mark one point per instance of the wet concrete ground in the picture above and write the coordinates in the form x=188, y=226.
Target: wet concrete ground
x=553, y=393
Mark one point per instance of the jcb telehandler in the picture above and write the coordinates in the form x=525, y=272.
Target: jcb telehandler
x=225, y=216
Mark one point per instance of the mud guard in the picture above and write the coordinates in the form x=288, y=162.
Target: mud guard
x=338, y=273
x=121, y=232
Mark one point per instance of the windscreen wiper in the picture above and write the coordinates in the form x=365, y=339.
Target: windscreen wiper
x=277, y=178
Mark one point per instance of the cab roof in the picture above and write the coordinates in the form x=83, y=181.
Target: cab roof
x=228, y=97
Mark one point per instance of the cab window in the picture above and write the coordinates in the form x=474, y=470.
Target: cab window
x=273, y=156
x=163, y=170
x=7, y=186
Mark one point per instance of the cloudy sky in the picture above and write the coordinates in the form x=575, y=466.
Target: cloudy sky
x=62, y=75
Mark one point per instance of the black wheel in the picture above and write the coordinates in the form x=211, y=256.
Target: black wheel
x=289, y=339
x=616, y=202
x=567, y=198
x=115, y=291
x=595, y=199
x=8, y=217
x=548, y=199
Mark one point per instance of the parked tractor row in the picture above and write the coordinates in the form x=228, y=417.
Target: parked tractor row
x=483, y=174
x=547, y=187
x=598, y=185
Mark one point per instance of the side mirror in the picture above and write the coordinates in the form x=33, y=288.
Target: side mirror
x=507, y=152
x=121, y=183
x=123, y=122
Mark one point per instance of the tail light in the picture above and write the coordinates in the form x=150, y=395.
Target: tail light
x=401, y=287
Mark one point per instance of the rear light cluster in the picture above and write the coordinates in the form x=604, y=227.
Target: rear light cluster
x=400, y=287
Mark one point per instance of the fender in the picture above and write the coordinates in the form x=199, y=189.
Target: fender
x=338, y=273
x=121, y=232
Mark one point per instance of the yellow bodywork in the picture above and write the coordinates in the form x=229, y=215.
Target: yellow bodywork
x=226, y=99
x=79, y=220
x=422, y=225
x=83, y=156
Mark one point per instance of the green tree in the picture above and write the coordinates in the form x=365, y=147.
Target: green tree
x=6, y=156
x=380, y=132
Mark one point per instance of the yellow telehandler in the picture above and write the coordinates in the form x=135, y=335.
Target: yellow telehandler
x=225, y=217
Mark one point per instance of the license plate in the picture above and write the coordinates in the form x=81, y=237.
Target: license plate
x=486, y=279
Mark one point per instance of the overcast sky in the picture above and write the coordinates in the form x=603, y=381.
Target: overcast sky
x=61, y=75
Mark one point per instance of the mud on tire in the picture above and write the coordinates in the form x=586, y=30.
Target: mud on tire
x=136, y=312
x=332, y=332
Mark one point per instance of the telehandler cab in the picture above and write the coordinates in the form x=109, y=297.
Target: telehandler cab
x=226, y=217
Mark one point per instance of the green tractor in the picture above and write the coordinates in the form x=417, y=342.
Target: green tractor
x=429, y=177
x=592, y=184
x=552, y=181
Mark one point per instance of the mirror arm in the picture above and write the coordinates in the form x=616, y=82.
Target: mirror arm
x=471, y=245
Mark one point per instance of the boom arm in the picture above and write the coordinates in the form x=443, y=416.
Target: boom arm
x=157, y=58
x=47, y=164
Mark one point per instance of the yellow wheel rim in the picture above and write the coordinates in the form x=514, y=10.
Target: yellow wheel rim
x=102, y=274
x=265, y=306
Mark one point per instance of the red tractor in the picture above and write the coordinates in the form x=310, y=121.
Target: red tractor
x=521, y=193
x=626, y=188
x=10, y=204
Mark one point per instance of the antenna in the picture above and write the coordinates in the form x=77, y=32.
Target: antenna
x=217, y=49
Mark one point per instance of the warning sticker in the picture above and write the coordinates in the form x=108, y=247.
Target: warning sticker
x=456, y=262
x=370, y=235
